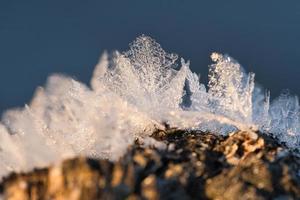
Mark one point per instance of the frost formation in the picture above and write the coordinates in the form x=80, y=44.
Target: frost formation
x=132, y=94
x=145, y=77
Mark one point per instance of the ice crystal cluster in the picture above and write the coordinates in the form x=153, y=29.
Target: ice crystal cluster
x=131, y=94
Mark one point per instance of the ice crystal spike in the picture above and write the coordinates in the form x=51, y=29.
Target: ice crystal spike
x=144, y=76
x=230, y=89
x=146, y=53
x=199, y=96
x=285, y=120
x=99, y=71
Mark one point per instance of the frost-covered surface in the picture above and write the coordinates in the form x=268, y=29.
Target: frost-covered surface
x=131, y=94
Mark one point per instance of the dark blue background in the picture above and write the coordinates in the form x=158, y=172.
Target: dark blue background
x=40, y=37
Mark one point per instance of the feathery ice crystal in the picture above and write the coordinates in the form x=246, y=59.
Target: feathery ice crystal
x=144, y=77
x=133, y=93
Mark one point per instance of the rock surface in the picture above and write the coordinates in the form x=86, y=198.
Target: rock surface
x=192, y=166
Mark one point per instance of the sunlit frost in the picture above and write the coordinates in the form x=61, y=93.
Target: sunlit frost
x=132, y=94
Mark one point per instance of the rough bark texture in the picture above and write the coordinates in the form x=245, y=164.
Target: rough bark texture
x=194, y=166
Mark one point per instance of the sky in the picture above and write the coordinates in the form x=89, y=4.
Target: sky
x=39, y=38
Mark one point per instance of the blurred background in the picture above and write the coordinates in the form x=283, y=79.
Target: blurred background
x=38, y=38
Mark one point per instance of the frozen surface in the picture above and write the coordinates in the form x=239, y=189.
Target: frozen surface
x=132, y=94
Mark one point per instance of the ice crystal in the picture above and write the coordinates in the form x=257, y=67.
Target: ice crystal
x=285, y=120
x=145, y=77
x=67, y=119
x=230, y=89
x=133, y=93
x=228, y=97
x=260, y=108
